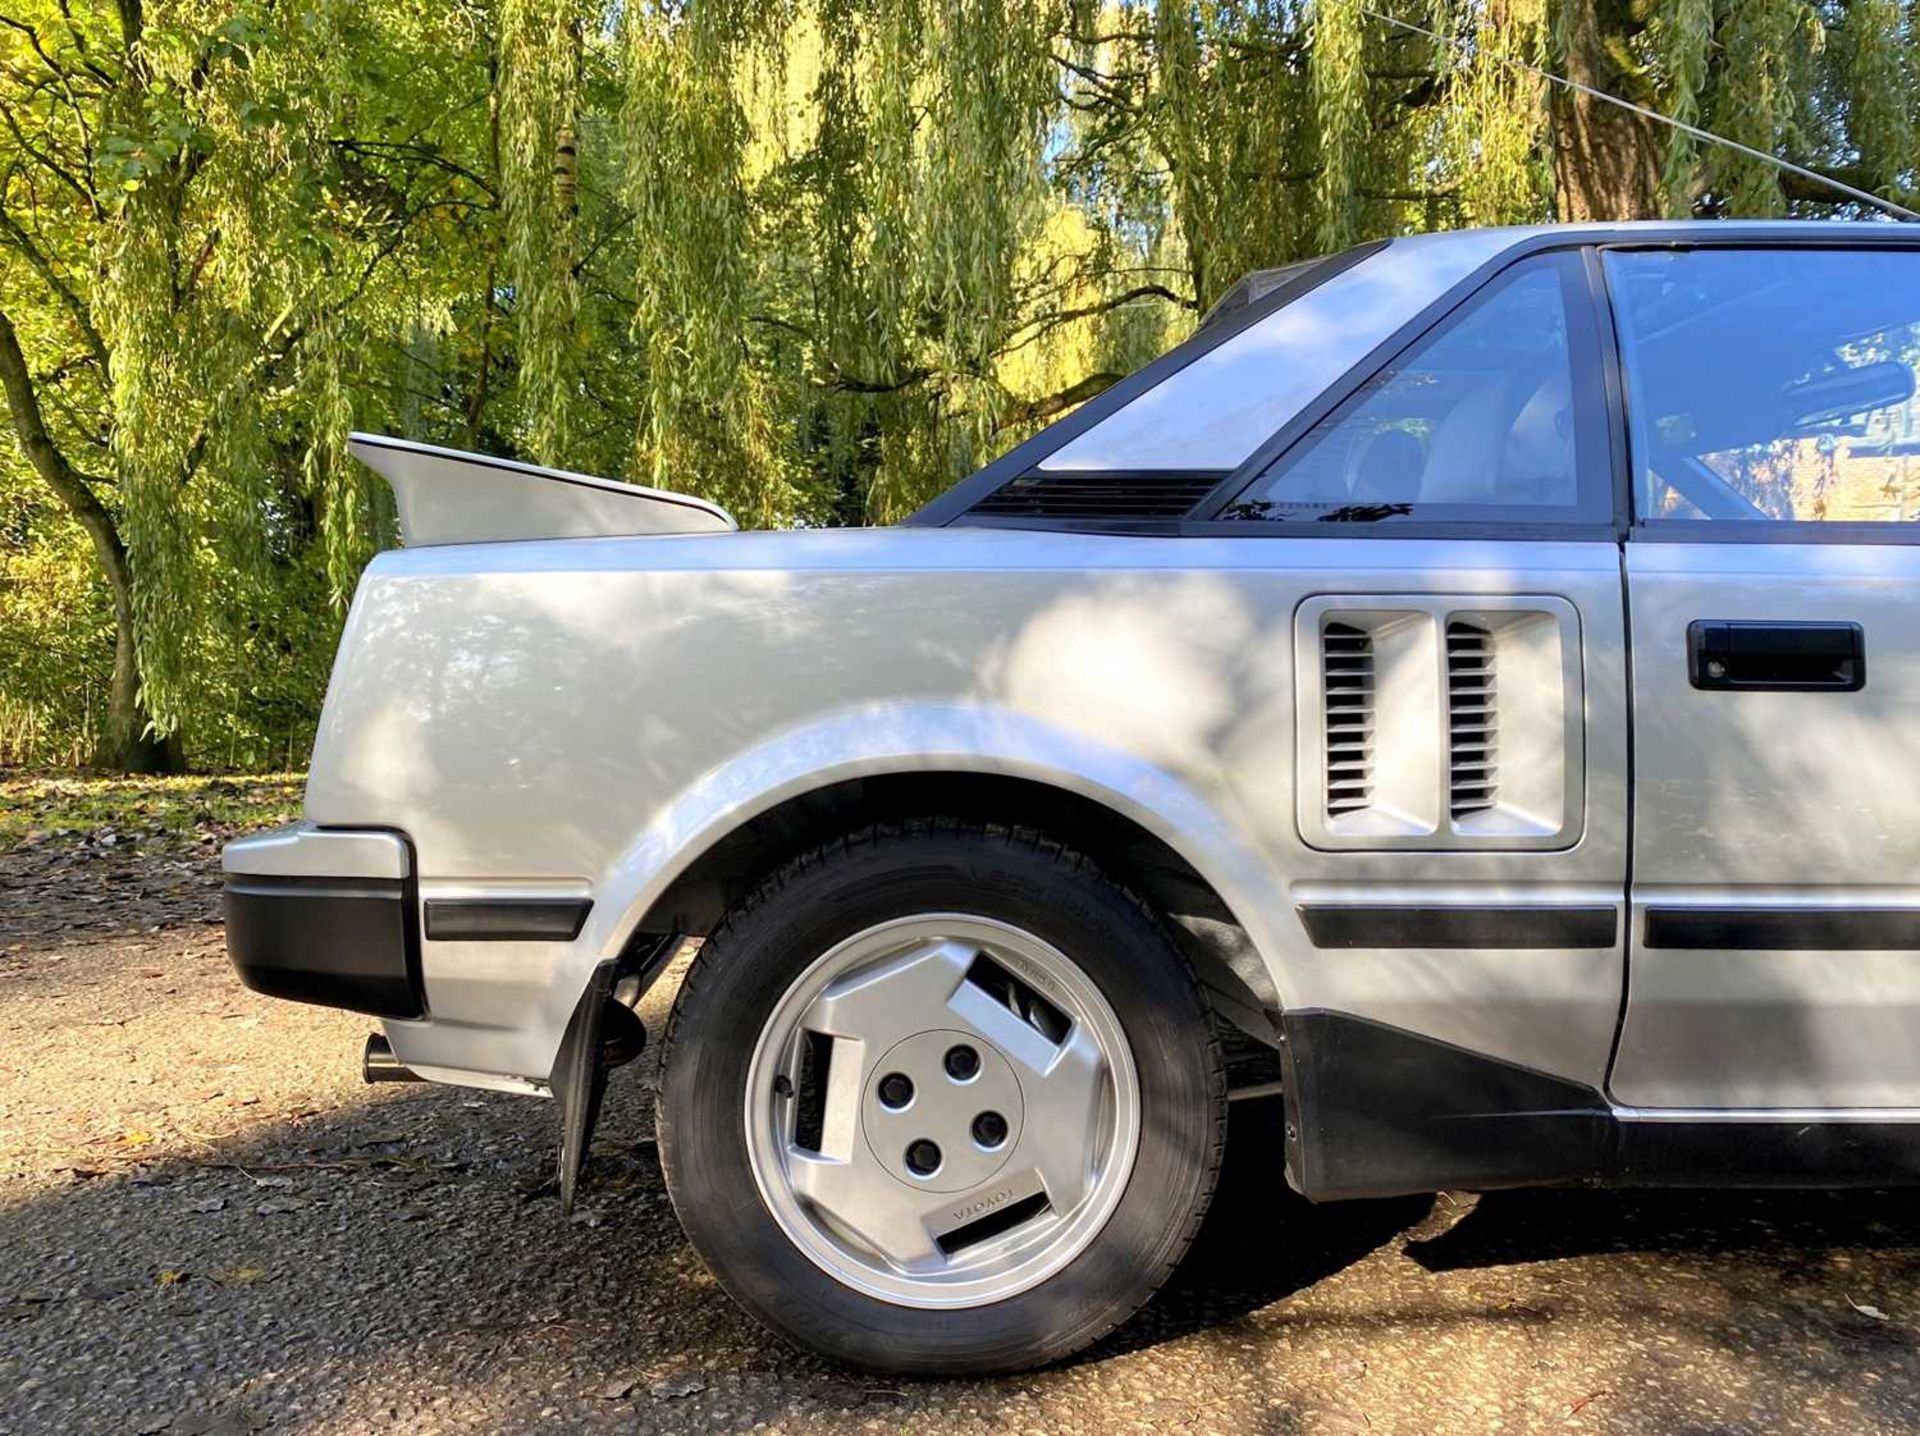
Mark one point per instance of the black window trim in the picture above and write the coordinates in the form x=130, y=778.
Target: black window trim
x=1025, y=457
x=1747, y=531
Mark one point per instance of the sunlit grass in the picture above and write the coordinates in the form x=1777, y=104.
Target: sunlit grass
x=69, y=808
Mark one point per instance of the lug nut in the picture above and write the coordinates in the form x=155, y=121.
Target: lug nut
x=896, y=1090
x=923, y=1158
x=963, y=1063
x=989, y=1129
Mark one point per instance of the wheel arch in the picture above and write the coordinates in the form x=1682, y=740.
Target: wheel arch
x=1142, y=826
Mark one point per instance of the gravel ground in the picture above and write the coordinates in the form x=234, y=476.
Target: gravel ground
x=208, y=1225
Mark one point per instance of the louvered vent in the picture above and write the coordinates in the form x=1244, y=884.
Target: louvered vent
x=1098, y=496
x=1473, y=774
x=1346, y=670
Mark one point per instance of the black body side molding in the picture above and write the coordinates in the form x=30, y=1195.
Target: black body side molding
x=1748, y=1153
x=1377, y=1111
x=1455, y=926
x=1784, y=929
x=506, y=919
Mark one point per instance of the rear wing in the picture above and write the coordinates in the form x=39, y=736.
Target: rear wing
x=445, y=496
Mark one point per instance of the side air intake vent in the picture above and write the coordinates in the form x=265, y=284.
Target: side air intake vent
x=1473, y=774
x=1098, y=496
x=1438, y=722
x=1346, y=666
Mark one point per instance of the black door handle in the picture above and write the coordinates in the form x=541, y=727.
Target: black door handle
x=1777, y=657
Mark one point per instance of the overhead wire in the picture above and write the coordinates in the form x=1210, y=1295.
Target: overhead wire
x=1866, y=197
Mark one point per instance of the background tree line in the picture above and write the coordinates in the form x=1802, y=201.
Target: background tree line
x=813, y=259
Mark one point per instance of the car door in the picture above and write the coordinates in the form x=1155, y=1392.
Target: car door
x=1457, y=797
x=1396, y=506
x=1774, y=595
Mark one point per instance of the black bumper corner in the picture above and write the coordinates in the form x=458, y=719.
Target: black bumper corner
x=338, y=942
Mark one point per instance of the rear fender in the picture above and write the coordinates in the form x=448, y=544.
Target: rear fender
x=890, y=739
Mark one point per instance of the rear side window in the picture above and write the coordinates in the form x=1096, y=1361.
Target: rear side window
x=1494, y=416
x=1771, y=384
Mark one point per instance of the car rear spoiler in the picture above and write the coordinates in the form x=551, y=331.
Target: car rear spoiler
x=445, y=496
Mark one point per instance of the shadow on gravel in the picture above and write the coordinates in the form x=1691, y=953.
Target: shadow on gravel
x=1509, y=1227
x=409, y=1243
x=1260, y=1242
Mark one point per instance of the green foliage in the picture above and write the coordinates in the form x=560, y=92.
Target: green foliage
x=538, y=99
x=56, y=632
x=1680, y=37
x=1340, y=109
x=814, y=260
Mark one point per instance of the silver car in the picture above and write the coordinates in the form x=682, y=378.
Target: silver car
x=1468, y=690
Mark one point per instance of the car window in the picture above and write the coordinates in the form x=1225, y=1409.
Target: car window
x=1771, y=384
x=1213, y=412
x=1484, y=418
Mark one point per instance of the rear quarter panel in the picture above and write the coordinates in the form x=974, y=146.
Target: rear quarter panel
x=586, y=716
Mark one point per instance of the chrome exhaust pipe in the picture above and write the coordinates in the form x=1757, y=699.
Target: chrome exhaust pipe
x=378, y=1064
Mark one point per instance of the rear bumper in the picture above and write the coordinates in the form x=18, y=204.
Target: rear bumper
x=327, y=916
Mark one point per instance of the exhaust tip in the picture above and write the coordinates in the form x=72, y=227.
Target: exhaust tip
x=378, y=1064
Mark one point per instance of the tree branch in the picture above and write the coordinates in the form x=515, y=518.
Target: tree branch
x=50, y=164
x=33, y=39
x=80, y=45
x=1046, y=324
x=1033, y=411
x=75, y=305
x=426, y=154
x=1807, y=191
x=73, y=488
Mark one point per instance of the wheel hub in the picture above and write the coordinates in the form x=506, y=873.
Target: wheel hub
x=942, y=1111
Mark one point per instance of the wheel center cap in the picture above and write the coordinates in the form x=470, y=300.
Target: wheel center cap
x=942, y=1111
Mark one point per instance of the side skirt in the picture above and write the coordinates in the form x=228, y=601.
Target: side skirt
x=1376, y=1111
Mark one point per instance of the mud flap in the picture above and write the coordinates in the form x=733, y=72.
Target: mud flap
x=604, y=1032
x=579, y=1079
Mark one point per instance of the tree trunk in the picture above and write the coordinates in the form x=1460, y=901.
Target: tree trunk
x=125, y=745
x=1606, y=160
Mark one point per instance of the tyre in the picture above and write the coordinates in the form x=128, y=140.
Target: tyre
x=941, y=1098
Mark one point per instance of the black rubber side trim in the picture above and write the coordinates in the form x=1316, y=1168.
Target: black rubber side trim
x=1783, y=929
x=1375, y=1111
x=338, y=942
x=1454, y=926
x=1709, y=1153
x=506, y=919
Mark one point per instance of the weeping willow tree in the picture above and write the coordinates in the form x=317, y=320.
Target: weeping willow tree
x=215, y=220
x=813, y=260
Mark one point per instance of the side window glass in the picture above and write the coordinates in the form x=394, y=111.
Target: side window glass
x=1771, y=384
x=1490, y=417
